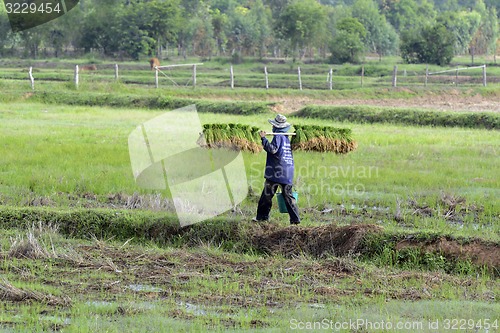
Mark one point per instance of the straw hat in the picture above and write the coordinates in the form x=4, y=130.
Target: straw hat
x=279, y=121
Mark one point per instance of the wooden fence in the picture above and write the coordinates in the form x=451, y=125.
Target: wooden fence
x=397, y=77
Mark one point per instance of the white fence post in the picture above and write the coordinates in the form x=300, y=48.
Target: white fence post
x=362, y=74
x=426, y=74
x=395, y=77
x=156, y=77
x=232, y=76
x=32, y=79
x=194, y=76
x=267, y=78
x=300, y=79
x=116, y=72
x=484, y=75
x=330, y=79
x=76, y=76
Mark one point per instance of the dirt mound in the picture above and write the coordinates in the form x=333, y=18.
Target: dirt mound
x=325, y=240
x=316, y=241
x=478, y=252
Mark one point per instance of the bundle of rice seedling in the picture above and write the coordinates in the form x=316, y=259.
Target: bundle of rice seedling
x=306, y=137
x=231, y=136
x=252, y=137
x=323, y=139
x=237, y=137
x=300, y=137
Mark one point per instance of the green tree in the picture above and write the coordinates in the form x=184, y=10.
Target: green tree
x=277, y=7
x=32, y=40
x=348, y=43
x=131, y=33
x=381, y=38
x=447, y=5
x=248, y=30
x=239, y=31
x=161, y=19
x=493, y=4
x=439, y=45
x=431, y=45
x=409, y=14
x=100, y=28
x=260, y=19
x=463, y=25
x=61, y=32
x=201, y=32
x=486, y=36
x=219, y=24
x=301, y=23
x=6, y=35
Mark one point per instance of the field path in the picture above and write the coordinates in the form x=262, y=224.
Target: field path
x=449, y=102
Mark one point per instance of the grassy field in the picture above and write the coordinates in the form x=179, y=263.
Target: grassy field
x=84, y=249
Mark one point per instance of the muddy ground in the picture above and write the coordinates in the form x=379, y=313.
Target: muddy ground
x=110, y=270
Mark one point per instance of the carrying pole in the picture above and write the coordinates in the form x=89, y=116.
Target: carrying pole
x=280, y=133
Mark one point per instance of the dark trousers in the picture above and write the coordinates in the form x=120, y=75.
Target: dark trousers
x=266, y=201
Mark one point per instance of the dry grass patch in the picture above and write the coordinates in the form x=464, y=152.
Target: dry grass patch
x=33, y=247
x=10, y=293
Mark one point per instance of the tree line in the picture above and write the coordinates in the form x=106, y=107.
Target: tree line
x=337, y=31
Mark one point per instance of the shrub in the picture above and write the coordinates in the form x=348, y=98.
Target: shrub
x=151, y=102
x=360, y=114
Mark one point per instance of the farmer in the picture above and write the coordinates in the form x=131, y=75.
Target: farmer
x=278, y=172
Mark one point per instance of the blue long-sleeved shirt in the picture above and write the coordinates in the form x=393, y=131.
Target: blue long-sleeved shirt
x=279, y=162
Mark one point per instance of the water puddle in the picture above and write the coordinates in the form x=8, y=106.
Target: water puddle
x=100, y=304
x=56, y=320
x=144, y=288
x=145, y=306
x=192, y=308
